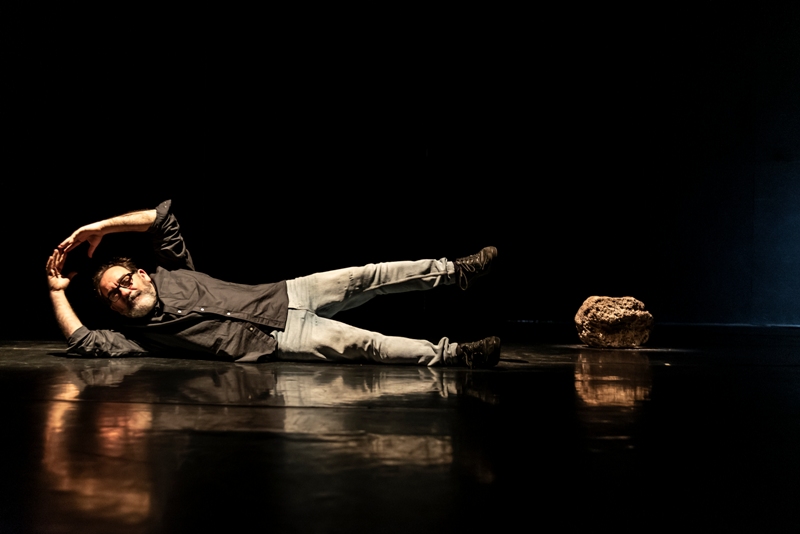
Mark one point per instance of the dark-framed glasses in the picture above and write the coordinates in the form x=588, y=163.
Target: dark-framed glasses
x=125, y=281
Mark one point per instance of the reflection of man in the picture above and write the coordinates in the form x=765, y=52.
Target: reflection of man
x=177, y=308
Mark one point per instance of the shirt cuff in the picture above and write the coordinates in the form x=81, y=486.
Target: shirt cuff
x=162, y=211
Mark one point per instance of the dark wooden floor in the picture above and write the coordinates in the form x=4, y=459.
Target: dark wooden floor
x=697, y=431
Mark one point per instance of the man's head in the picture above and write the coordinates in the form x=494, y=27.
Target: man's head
x=125, y=288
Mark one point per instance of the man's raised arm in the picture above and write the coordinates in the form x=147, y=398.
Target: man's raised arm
x=160, y=223
x=58, y=284
x=137, y=221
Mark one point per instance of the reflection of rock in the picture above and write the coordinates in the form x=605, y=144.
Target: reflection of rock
x=612, y=386
x=613, y=322
x=612, y=378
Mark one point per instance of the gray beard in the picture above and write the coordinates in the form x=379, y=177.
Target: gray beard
x=142, y=305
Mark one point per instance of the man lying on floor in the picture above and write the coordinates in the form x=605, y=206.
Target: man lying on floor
x=177, y=308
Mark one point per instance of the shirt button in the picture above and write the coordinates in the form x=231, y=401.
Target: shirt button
x=229, y=313
x=202, y=309
x=179, y=311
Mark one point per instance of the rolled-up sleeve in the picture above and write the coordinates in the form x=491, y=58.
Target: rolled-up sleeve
x=102, y=344
x=168, y=243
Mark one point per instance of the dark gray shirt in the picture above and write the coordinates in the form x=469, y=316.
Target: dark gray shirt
x=195, y=313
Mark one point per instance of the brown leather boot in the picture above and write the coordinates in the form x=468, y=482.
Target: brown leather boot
x=478, y=354
x=472, y=267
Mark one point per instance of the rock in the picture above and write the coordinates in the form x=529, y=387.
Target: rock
x=613, y=322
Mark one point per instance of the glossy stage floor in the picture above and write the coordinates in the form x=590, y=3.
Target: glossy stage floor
x=694, y=431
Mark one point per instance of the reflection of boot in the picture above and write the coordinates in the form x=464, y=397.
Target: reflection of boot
x=478, y=354
x=472, y=267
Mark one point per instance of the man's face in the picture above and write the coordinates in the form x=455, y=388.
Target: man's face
x=134, y=301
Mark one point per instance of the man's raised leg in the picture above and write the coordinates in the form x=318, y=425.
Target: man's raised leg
x=330, y=292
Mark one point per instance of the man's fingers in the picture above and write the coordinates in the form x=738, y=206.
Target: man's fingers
x=78, y=238
x=52, y=263
x=71, y=242
x=56, y=262
x=68, y=244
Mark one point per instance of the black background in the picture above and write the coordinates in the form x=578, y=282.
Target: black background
x=651, y=152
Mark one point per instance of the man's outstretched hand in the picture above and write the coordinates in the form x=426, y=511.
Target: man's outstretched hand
x=55, y=264
x=135, y=221
x=91, y=233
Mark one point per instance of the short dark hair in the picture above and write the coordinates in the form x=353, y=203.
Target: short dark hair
x=113, y=262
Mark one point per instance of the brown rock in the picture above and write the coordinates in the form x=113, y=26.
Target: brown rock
x=613, y=322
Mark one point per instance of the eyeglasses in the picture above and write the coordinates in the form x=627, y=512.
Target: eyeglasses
x=125, y=281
